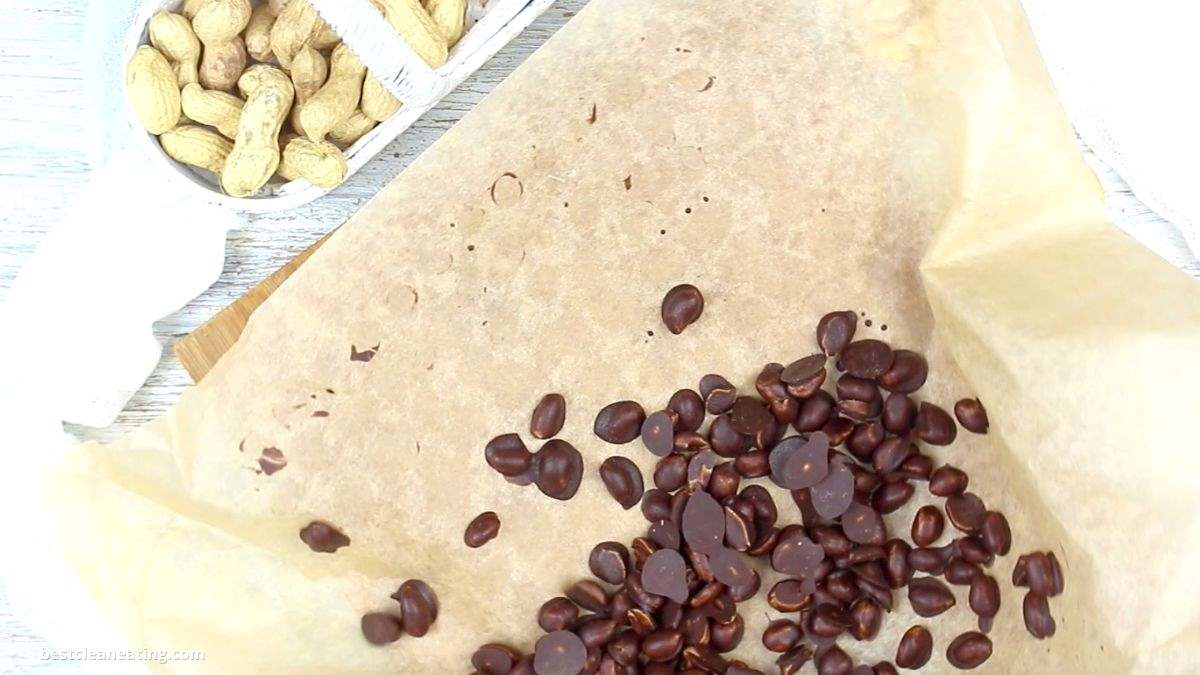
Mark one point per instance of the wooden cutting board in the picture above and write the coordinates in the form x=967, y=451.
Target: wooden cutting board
x=200, y=350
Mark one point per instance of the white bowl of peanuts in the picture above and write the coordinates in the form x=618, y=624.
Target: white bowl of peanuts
x=259, y=105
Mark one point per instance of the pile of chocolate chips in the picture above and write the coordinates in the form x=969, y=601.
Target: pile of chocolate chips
x=668, y=602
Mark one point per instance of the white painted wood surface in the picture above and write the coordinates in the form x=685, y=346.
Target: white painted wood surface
x=42, y=166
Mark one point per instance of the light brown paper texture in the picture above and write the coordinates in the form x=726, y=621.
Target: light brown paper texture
x=904, y=158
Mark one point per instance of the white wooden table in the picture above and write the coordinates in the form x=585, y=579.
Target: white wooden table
x=42, y=167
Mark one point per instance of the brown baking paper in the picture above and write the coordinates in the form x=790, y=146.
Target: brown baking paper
x=907, y=159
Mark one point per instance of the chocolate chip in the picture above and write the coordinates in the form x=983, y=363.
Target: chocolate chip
x=727, y=636
x=665, y=574
x=559, y=469
x=690, y=441
x=656, y=505
x=984, y=596
x=815, y=412
x=662, y=645
x=559, y=653
x=906, y=374
x=595, y=632
x=841, y=585
x=929, y=597
x=890, y=454
x=557, y=614
x=272, y=460
x=703, y=523
x=791, y=662
x=418, y=605
x=839, y=430
x=865, y=437
x=322, y=537
x=884, y=668
x=865, y=481
x=829, y=620
x=865, y=619
x=856, y=388
x=508, y=455
x=927, y=525
x=718, y=393
x=915, y=648
x=548, y=416
x=927, y=560
x=947, y=481
x=867, y=358
x=609, y=561
x=781, y=635
x=681, y=307
x=700, y=468
x=689, y=409
x=665, y=533
x=934, y=425
x=834, y=542
x=739, y=531
x=862, y=525
x=860, y=411
x=1036, y=612
x=896, y=567
x=834, y=661
x=527, y=477
x=658, y=433
x=494, y=659
x=804, y=369
x=969, y=650
x=724, y=481
x=801, y=464
x=1040, y=572
x=833, y=495
x=796, y=554
x=960, y=572
x=482, y=529
x=916, y=467
x=971, y=415
x=835, y=330
x=624, y=648
x=729, y=567
x=589, y=595
x=899, y=413
x=619, y=422
x=623, y=480
x=670, y=473
x=995, y=533
x=749, y=416
x=892, y=496
x=381, y=628
x=966, y=512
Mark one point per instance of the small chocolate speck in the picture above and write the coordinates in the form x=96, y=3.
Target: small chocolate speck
x=650, y=333
x=330, y=391
x=272, y=460
x=709, y=85
x=628, y=182
x=705, y=199
x=688, y=210
x=662, y=231
x=451, y=224
x=592, y=117
x=242, y=446
x=312, y=396
x=566, y=205
x=323, y=537
x=485, y=322
x=321, y=413
x=364, y=356
x=867, y=323
x=883, y=327
x=470, y=247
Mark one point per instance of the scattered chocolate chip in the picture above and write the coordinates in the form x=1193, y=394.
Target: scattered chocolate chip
x=272, y=460
x=557, y=614
x=1036, y=612
x=559, y=469
x=833, y=495
x=798, y=464
x=934, y=425
x=589, y=595
x=947, y=481
x=703, y=523
x=927, y=525
x=815, y=412
x=559, y=653
x=727, y=636
x=929, y=597
x=915, y=648
x=781, y=635
x=865, y=619
x=892, y=496
x=619, y=422
x=835, y=330
x=724, y=481
x=681, y=307
x=960, y=572
x=718, y=394
x=796, y=554
x=984, y=596
x=791, y=662
x=482, y=529
x=1040, y=572
x=995, y=533
x=906, y=374
x=662, y=645
x=494, y=659
x=749, y=416
x=804, y=369
x=670, y=473
x=971, y=415
x=966, y=512
x=665, y=533
x=508, y=455
x=865, y=437
x=665, y=574
x=656, y=505
x=834, y=661
x=548, y=416
x=623, y=480
x=418, y=605
x=658, y=433
x=916, y=467
x=700, y=468
x=890, y=454
x=899, y=413
x=381, y=628
x=862, y=525
x=322, y=537
x=969, y=650
x=689, y=408
x=867, y=358
x=856, y=388
x=896, y=567
x=729, y=568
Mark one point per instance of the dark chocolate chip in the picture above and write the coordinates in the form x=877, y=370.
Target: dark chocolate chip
x=508, y=455
x=896, y=567
x=1036, y=612
x=890, y=454
x=619, y=422
x=623, y=480
x=729, y=567
x=899, y=413
x=718, y=393
x=381, y=628
x=927, y=525
x=557, y=614
x=796, y=554
x=867, y=358
x=892, y=496
x=929, y=597
x=803, y=369
x=806, y=465
x=995, y=533
x=865, y=437
x=815, y=412
x=906, y=374
x=865, y=619
x=703, y=523
x=862, y=525
x=665, y=533
x=750, y=416
x=966, y=512
x=418, y=605
x=670, y=473
x=947, y=481
x=781, y=635
x=969, y=650
x=494, y=659
x=984, y=596
x=322, y=537
x=960, y=572
x=665, y=574
x=559, y=653
x=934, y=425
x=835, y=330
x=609, y=561
x=559, y=469
x=971, y=415
x=656, y=505
x=548, y=416
x=658, y=433
x=272, y=460
x=689, y=408
x=915, y=648
x=482, y=529
x=681, y=307
x=833, y=495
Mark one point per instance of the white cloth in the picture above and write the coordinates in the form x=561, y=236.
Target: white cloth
x=1126, y=74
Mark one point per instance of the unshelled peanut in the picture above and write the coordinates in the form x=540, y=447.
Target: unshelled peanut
x=172, y=35
x=219, y=21
x=298, y=25
x=353, y=128
x=309, y=73
x=377, y=102
x=223, y=64
x=214, y=108
x=337, y=99
x=258, y=32
x=255, y=155
x=450, y=17
x=197, y=146
x=153, y=90
x=321, y=164
x=417, y=28
x=191, y=8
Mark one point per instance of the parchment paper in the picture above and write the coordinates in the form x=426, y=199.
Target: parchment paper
x=904, y=158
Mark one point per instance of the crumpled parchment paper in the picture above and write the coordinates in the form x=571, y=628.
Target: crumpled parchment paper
x=904, y=158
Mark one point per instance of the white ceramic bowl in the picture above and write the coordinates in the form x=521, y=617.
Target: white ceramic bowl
x=503, y=20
